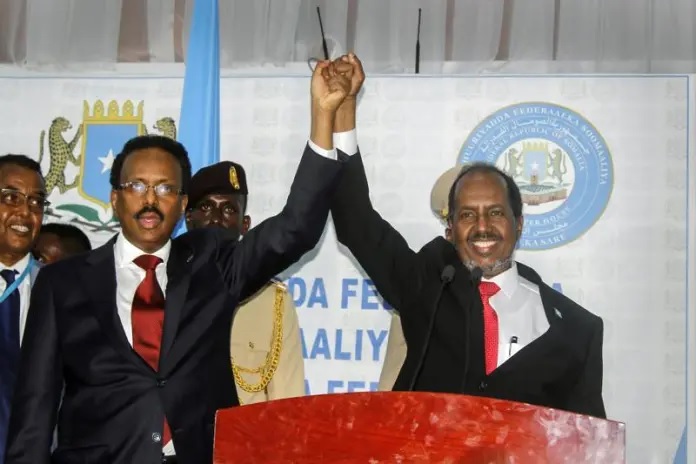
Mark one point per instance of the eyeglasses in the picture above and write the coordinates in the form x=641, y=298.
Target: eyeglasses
x=140, y=188
x=15, y=198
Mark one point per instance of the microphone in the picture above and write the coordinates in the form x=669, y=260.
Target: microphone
x=323, y=37
x=476, y=274
x=418, y=43
x=445, y=278
x=447, y=274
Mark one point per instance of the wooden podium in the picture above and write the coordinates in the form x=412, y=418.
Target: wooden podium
x=414, y=427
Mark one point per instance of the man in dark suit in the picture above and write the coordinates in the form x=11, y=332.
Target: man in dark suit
x=22, y=204
x=474, y=320
x=145, y=370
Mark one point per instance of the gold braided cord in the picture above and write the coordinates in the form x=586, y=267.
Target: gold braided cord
x=272, y=358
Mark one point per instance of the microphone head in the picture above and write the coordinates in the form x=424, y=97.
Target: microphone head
x=476, y=275
x=447, y=274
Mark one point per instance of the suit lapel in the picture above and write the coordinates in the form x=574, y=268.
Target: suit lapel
x=99, y=277
x=547, y=344
x=179, y=278
x=543, y=347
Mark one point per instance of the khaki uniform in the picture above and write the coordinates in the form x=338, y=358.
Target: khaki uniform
x=266, y=351
x=395, y=354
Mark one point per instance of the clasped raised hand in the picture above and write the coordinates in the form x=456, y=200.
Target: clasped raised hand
x=329, y=88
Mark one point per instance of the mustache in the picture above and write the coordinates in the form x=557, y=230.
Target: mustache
x=149, y=209
x=483, y=237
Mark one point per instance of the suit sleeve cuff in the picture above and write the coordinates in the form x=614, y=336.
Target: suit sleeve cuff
x=347, y=141
x=331, y=154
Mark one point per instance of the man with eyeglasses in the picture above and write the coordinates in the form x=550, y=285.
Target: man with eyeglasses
x=139, y=329
x=22, y=203
x=265, y=347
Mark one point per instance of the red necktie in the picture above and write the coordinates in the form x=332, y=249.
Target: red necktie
x=147, y=318
x=490, y=325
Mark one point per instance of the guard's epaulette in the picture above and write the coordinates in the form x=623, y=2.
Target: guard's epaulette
x=279, y=283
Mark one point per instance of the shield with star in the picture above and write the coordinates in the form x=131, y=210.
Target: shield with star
x=105, y=131
x=535, y=157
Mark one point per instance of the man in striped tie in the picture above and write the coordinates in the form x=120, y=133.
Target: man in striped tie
x=22, y=203
x=474, y=320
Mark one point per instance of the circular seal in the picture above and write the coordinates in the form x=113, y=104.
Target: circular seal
x=558, y=159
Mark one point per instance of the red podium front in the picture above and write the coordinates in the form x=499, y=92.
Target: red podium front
x=416, y=427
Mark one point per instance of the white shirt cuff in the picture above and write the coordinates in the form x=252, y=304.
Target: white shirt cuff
x=331, y=154
x=347, y=141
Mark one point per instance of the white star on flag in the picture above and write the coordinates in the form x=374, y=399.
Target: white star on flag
x=107, y=161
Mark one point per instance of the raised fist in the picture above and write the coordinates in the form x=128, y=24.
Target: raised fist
x=329, y=88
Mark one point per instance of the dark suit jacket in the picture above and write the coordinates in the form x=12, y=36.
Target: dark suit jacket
x=560, y=369
x=114, y=403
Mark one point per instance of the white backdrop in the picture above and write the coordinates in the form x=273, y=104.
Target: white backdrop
x=629, y=267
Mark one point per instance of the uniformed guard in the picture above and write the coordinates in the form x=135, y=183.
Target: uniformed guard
x=440, y=192
x=395, y=354
x=266, y=352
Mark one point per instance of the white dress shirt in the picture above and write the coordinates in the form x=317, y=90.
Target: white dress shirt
x=518, y=304
x=520, y=312
x=128, y=277
x=24, y=291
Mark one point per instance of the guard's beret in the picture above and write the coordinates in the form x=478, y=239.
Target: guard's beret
x=220, y=178
x=440, y=193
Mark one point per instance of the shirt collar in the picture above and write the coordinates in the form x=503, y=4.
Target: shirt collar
x=20, y=265
x=125, y=252
x=507, y=280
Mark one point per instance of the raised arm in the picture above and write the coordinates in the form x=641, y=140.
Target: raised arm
x=39, y=383
x=281, y=240
x=378, y=247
